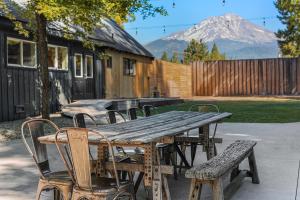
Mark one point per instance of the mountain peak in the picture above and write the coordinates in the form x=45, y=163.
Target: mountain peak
x=228, y=26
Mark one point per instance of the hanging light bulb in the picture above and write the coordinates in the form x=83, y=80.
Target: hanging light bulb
x=164, y=29
x=136, y=31
x=173, y=4
x=228, y=24
x=223, y=2
x=264, y=21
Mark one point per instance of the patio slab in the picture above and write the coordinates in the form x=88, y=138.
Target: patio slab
x=277, y=154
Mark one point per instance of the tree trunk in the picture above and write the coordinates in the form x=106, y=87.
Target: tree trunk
x=42, y=61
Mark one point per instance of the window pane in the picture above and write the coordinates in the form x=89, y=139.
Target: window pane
x=126, y=66
x=78, y=65
x=109, y=62
x=14, y=52
x=89, y=66
x=62, y=58
x=29, y=54
x=51, y=57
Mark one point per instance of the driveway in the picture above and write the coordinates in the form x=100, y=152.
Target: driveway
x=277, y=154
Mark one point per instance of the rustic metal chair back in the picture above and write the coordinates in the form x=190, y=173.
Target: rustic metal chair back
x=38, y=151
x=80, y=166
x=147, y=110
x=79, y=122
x=111, y=116
x=132, y=113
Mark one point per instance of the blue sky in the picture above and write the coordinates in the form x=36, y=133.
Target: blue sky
x=193, y=11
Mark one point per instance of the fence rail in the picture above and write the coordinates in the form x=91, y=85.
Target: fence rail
x=278, y=76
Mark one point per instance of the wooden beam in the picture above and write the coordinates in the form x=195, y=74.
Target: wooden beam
x=134, y=167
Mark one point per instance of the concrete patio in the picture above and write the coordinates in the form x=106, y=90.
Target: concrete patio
x=277, y=154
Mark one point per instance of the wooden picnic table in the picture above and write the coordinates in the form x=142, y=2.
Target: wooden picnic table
x=146, y=133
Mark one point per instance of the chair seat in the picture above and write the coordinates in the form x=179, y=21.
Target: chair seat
x=104, y=186
x=58, y=177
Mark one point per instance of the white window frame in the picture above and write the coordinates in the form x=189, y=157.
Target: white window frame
x=130, y=60
x=92, y=70
x=56, y=57
x=21, y=53
x=81, y=71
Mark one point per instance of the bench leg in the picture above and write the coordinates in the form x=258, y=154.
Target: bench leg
x=195, y=190
x=235, y=172
x=217, y=186
x=253, y=168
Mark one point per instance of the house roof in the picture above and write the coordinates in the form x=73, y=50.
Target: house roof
x=113, y=36
x=110, y=35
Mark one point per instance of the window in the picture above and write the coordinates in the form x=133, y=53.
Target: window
x=78, y=65
x=109, y=62
x=21, y=53
x=129, y=66
x=89, y=66
x=57, y=57
x=62, y=58
x=51, y=57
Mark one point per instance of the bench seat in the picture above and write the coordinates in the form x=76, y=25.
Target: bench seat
x=212, y=171
x=220, y=164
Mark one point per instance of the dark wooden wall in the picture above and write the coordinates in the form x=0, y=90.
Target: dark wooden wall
x=278, y=76
x=20, y=94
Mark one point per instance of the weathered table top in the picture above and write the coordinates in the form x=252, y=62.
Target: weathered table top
x=149, y=129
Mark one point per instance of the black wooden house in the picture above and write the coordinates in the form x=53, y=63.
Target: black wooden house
x=75, y=72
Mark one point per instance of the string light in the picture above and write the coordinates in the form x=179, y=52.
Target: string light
x=228, y=23
x=223, y=2
x=173, y=4
x=164, y=29
x=264, y=21
x=192, y=24
x=136, y=31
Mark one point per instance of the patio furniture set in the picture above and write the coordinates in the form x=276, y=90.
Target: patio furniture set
x=145, y=146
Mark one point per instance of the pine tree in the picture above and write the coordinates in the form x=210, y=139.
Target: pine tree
x=289, y=37
x=215, y=54
x=195, y=51
x=175, y=58
x=165, y=56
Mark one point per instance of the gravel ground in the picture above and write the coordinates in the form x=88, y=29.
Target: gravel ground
x=11, y=130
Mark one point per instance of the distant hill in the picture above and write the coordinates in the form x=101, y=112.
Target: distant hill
x=235, y=36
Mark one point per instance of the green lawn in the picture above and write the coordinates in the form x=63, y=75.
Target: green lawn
x=277, y=111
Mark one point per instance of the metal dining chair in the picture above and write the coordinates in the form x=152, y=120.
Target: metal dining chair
x=132, y=113
x=200, y=108
x=48, y=179
x=79, y=120
x=87, y=186
x=147, y=110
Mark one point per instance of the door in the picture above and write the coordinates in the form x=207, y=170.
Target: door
x=83, y=77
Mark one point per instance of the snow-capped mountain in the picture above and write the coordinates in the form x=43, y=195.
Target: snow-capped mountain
x=235, y=36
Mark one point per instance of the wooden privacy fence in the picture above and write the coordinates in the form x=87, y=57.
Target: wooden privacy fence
x=278, y=76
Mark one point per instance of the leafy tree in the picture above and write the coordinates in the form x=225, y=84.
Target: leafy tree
x=175, y=58
x=165, y=56
x=74, y=20
x=215, y=54
x=289, y=37
x=195, y=51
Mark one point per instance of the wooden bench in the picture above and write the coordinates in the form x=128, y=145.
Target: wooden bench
x=212, y=171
